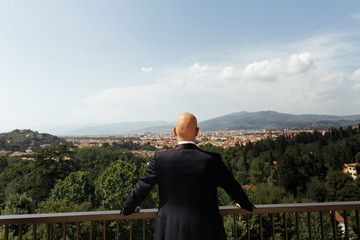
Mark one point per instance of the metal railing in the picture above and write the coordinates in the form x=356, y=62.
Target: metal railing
x=273, y=221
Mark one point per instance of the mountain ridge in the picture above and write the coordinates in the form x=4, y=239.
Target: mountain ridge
x=233, y=121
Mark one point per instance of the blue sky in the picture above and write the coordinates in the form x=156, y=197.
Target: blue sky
x=82, y=62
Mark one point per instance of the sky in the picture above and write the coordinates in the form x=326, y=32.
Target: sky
x=85, y=62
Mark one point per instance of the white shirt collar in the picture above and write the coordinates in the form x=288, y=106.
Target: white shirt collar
x=186, y=142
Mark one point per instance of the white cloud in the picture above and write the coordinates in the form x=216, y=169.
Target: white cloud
x=198, y=68
x=356, y=86
x=146, y=69
x=266, y=70
x=330, y=79
x=227, y=72
x=124, y=104
x=355, y=76
x=269, y=70
x=299, y=63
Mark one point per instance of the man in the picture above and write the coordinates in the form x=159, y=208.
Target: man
x=188, y=179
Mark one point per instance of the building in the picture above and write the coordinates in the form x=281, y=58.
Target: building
x=350, y=168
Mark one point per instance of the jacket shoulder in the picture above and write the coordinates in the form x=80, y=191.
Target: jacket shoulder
x=212, y=154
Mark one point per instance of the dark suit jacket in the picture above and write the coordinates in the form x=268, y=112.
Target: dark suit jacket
x=188, y=179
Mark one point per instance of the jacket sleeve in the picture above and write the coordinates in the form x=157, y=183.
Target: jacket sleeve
x=141, y=189
x=232, y=187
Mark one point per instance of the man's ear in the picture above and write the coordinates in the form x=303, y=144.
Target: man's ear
x=174, y=130
x=197, y=131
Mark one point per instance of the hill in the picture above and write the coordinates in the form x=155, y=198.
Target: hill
x=275, y=120
x=234, y=121
x=20, y=140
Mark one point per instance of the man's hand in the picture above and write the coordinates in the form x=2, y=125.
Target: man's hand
x=137, y=209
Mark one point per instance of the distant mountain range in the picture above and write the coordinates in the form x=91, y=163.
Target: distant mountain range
x=116, y=128
x=234, y=121
x=275, y=120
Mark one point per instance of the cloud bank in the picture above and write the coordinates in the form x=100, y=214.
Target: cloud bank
x=302, y=77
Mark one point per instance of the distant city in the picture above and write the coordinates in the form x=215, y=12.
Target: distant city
x=223, y=139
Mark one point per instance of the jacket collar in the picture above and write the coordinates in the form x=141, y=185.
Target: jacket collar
x=186, y=146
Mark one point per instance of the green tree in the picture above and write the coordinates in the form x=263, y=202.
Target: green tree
x=357, y=157
x=76, y=188
x=116, y=183
x=18, y=204
x=51, y=164
x=3, y=163
x=288, y=173
x=256, y=171
x=268, y=194
x=11, y=179
x=340, y=187
x=316, y=190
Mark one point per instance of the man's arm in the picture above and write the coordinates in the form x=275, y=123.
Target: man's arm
x=233, y=188
x=141, y=189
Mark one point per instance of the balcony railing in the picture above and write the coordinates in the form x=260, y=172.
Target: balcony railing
x=336, y=220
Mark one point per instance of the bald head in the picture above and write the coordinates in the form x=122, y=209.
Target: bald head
x=186, y=127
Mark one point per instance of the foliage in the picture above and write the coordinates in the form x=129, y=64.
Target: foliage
x=18, y=204
x=96, y=159
x=116, y=183
x=341, y=187
x=76, y=188
x=20, y=140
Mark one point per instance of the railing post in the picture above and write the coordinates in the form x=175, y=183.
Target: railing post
x=117, y=230
x=77, y=230
x=20, y=231
x=346, y=225
x=48, y=231
x=235, y=227
x=104, y=230
x=130, y=230
x=273, y=226
x=91, y=230
x=357, y=223
x=260, y=226
x=34, y=232
x=6, y=237
x=334, y=224
x=143, y=229
x=309, y=222
x=285, y=227
x=248, y=225
x=297, y=225
x=322, y=225
x=64, y=231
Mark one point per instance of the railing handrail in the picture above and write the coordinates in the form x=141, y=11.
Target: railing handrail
x=151, y=213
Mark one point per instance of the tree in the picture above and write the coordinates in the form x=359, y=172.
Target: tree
x=3, y=163
x=116, y=183
x=357, y=157
x=51, y=165
x=11, y=179
x=18, y=204
x=256, y=171
x=340, y=187
x=287, y=173
x=316, y=190
x=76, y=188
